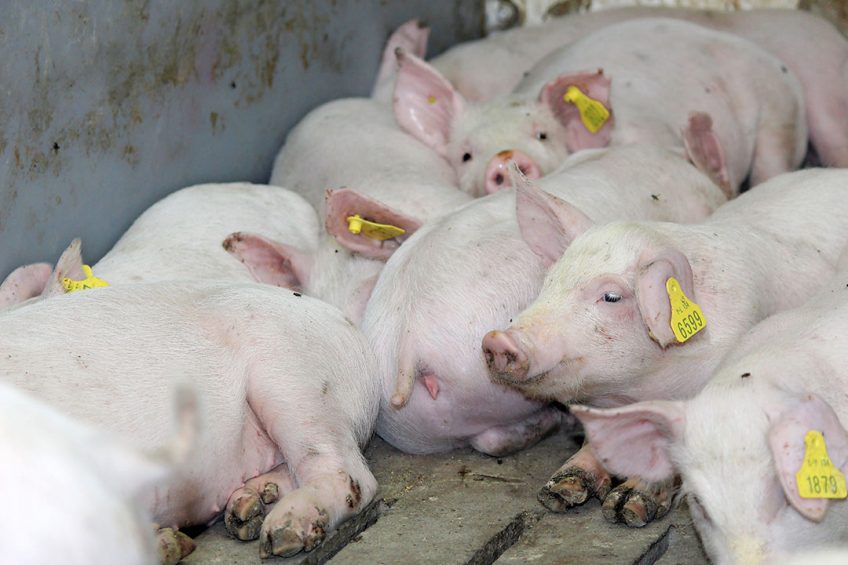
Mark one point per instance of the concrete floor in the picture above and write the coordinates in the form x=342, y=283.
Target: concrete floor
x=467, y=508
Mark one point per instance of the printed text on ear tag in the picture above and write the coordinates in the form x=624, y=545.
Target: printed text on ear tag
x=90, y=281
x=593, y=113
x=687, y=319
x=818, y=477
x=381, y=232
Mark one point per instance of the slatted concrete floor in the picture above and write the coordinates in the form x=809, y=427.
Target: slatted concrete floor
x=466, y=508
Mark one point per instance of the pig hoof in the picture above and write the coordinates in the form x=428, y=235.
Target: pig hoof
x=634, y=508
x=271, y=493
x=243, y=518
x=291, y=536
x=570, y=488
x=173, y=546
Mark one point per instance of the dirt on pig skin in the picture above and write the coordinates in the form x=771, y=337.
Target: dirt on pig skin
x=173, y=546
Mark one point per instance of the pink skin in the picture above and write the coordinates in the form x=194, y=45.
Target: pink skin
x=24, y=283
x=497, y=173
x=412, y=37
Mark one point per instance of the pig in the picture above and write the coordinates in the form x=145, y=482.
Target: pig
x=25, y=282
x=600, y=330
x=284, y=396
x=739, y=443
x=180, y=237
x=743, y=107
x=353, y=147
x=98, y=479
x=461, y=274
x=810, y=46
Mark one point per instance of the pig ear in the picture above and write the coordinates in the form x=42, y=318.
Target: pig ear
x=345, y=203
x=635, y=440
x=786, y=440
x=425, y=103
x=412, y=38
x=651, y=293
x=704, y=150
x=69, y=265
x=547, y=223
x=270, y=262
x=594, y=85
x=24, y=283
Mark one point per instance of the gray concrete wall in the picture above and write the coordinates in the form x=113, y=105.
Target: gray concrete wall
x=108, y=105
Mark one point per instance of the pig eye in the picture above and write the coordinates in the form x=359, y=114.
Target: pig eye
x=541, y=136
x=611, y=297
x=466, y=157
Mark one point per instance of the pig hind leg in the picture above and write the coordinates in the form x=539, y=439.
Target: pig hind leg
x=317, y=442
x=828, y=119
x=503, y=440
x=247, y=506
x=580, y=478
x=637, y=502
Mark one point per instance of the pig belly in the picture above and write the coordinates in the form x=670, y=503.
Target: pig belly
x=216, y=469
x=450, y=421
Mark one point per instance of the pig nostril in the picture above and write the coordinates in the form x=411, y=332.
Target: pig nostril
x=510, y=358
x=499, y=179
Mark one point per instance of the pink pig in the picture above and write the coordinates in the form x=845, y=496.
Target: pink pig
x=471, y=270
x=736, y=108
x=810, y=46
x=600, y=331
x=285, y=398
x=739, y=443
x=372, y=169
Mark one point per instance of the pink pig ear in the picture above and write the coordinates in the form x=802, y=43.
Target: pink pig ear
x=24, y=283
x=635, y=440
x=704, y=150
x=270, y=262
x=412, y=37
x=69, y=265
x=548, y=224
x=344, y=203
x=592, y=84
x=425, y=103
x=652, y=296
x=786, y=440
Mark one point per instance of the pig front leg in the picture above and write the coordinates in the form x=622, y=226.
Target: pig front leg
x=580, y=478
x=248, y=505
x=332, y=489
x=503, y=440
x=637, y=502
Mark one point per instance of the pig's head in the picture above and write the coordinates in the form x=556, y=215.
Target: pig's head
x=480, y=140
x=600, y=328
x=344, y=268
x=737, y=452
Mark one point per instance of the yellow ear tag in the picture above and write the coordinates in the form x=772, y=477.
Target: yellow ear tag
x=431, y=100
x=381, y=232
x=817, y=477
x=687, y=319
x=90, y=281
x=593, y=113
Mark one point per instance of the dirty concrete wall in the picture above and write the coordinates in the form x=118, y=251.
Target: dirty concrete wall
x=108, y=105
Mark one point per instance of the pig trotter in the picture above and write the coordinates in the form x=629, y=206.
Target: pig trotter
x=291, y=534
x=637, y=503
x=572, y=487
x=244, y=515
x=173, y=546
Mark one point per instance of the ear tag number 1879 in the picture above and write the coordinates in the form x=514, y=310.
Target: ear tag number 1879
x=687, y=319
x=818, y=477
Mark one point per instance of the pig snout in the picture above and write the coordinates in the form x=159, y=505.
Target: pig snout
x=497, y=172
x=505, y=357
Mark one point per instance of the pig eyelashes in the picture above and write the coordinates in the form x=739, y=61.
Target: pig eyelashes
x=611, y=297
